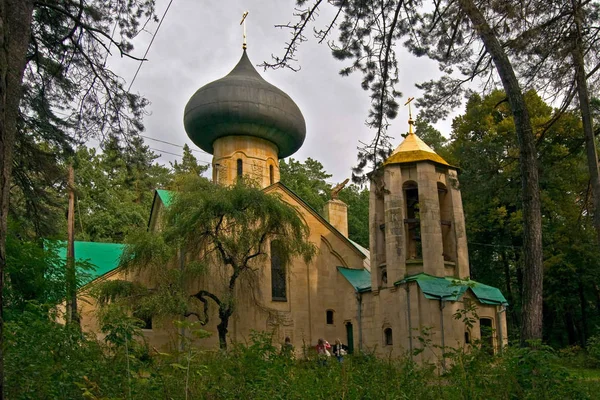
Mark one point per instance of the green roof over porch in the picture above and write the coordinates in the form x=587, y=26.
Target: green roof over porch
x=360, y=279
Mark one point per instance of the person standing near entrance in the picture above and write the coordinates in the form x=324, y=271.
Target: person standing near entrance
x=339, y=350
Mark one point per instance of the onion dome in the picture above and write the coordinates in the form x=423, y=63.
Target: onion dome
x=413, y=149
x=243, y=103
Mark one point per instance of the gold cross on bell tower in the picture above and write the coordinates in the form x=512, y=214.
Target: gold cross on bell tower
x=410, y=120
x=243, y=23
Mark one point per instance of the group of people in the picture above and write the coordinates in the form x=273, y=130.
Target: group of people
x=324, y=349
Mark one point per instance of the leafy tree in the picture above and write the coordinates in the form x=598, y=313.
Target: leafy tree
x=215, y=230
x=482, y=145
x=432, y=137
x=53, y=60
x=115, y=189
x=189, y=164
x=357, y=199
x=555, y=44
x=308, y=180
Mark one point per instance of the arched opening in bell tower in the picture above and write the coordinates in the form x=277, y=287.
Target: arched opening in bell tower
x=449, y=246
x=412, y=222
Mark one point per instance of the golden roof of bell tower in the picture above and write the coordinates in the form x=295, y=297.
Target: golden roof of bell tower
x=413, y=149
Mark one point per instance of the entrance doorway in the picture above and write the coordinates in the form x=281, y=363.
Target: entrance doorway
x=487, y=334
x=350, y=337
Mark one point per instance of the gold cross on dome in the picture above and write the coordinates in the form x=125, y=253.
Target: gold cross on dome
x=410, y=120
x=243, y=23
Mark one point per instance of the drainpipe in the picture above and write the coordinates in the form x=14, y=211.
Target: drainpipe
x=359, y=318
x=442, y=305
x=410, y=342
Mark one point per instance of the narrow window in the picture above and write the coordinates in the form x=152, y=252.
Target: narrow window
x=329, y=317
x=467, y=338
x=278, y=281
x=387, y=333
x=384, y=278
x=240, y=168
x=271, y=175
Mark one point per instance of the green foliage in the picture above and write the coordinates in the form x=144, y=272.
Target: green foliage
x=35, y=273
x=115, y=189
x=118, y=326
x=484, y=147
x=357, y=199
x=46, y=360
x=308, y=180
x=189, y=164
x=593, y=348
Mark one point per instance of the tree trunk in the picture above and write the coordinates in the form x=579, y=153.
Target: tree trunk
x=72, y=314
x=586, y=114
x=224, y=314
x=15, y=30
x=532, y=299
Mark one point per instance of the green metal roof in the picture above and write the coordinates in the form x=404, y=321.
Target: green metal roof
x=363, y=250
x=166, y=196
x=452, y=289
x=103, y=256
x=360, y=279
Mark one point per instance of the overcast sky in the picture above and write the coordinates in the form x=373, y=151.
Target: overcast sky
x=200, y=41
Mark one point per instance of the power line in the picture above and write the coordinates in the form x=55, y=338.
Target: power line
x=149, y=45
x=174, y=144
x=178, y=155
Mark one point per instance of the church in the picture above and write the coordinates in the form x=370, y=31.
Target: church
x=409, y=288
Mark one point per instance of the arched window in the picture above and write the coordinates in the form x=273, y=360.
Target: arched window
x=387, y=336
x=271, y=175
x=329, y=317
x=278, y=278
x=412, y=221
x=240, y=168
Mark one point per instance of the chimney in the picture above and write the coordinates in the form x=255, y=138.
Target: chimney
x=336, y=212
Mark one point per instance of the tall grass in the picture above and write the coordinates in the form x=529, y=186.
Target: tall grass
x=47, y=361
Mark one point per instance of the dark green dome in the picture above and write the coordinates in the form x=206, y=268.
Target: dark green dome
x=243, y=103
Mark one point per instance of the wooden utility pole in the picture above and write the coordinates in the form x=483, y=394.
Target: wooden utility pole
x=72, y=315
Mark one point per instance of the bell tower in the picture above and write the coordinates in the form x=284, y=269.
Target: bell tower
x=416, y=216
